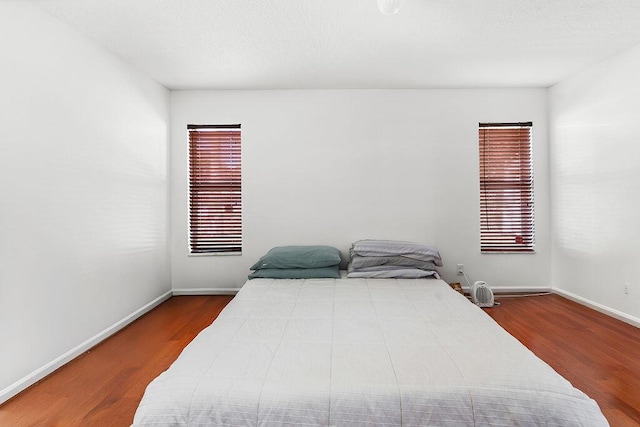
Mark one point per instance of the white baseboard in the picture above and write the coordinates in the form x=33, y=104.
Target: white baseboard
x=39, y=374
x=634, y=321
x=515, y=290
x=206, y=291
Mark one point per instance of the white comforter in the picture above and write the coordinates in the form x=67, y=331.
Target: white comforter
x=346, y=352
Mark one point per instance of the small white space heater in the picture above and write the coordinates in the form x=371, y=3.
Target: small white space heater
x=481, y=294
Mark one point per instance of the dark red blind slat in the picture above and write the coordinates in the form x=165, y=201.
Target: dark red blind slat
x=506, y=188
x=215, y=189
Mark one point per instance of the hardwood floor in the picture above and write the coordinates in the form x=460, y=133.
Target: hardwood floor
x=598, y=354
x=104, y=386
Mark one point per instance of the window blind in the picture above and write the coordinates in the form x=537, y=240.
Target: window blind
x=506, y=188
x=215, y=189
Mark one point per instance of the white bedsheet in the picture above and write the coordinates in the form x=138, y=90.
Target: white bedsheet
x=347, y=352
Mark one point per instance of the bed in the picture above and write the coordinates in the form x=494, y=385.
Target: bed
x=359, y=351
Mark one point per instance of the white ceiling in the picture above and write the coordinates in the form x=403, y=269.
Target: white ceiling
x=287, y=44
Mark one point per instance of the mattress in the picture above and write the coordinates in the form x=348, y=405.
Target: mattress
x=348, y=352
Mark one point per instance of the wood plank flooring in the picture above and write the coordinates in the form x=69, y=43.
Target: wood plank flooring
x=596, y=353
x=103, y=387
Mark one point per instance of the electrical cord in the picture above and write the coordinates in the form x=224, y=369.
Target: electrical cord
x=465, y=278
x=537, y=294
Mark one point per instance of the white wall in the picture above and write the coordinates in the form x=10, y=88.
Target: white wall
x=83, y=191
x=595, y=183
x=333, y=167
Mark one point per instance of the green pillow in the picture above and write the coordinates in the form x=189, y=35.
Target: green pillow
x=297, y=273
x=298, y=257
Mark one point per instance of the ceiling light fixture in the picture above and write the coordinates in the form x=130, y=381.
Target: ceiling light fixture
x=389, y=7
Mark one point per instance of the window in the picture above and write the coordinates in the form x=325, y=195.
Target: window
x=506, y=188
x=215, y=189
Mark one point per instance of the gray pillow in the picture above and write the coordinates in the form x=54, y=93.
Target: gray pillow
x=298, y=257
x=400, y=273
x=358, y=261
x=396, y=248
x=296, y=273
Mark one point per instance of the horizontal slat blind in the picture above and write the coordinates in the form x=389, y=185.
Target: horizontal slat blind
x=506, y=188
x=215, y=189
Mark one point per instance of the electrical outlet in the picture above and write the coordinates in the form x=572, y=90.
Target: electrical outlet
x=460, y=270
